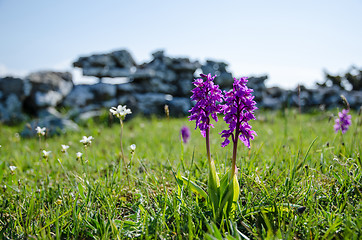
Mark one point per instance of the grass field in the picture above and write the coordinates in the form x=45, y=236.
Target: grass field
x=299, y=180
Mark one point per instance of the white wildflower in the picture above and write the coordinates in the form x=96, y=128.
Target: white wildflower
x=46, y=154
x=86, y=140
x=12, y=169
x=64, y=148
x=120, y=111
x=79, y=155
x=40, y=131
x=132, y=147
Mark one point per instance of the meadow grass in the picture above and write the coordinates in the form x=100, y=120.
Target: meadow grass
x=299, y=180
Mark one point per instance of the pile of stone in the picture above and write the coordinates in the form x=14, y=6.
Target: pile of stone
x=114, y=64
x=148, y=88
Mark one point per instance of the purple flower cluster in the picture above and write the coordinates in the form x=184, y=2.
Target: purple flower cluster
x=343, y=121
x=185, y=134
x=239, y=109
x=207, y=95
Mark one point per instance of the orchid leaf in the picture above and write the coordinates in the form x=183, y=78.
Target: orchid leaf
x=235, y=189
x=193, y=186
x=214, y=188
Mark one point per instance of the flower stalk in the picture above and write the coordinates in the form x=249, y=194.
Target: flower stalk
x=121, y=112
x=40, y=132
x=207, y=96
x=238, y=109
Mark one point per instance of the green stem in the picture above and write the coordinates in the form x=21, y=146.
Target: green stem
x=86, y=162
x=121, y=139
x=208, y=145
x=235, y=145
x=124, y=160
x=39, y=148
x=235, y=149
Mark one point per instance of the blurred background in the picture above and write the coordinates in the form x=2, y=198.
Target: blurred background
x=64, y=62
x=290, y=41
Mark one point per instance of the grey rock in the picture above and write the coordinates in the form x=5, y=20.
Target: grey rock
x=11, y=110
x=90, y=115
x=257, y=82
x=54, y=126
x=124, y=59
x=125, y=88
x=355, y=99
x=258, y=85
x=50, y=98
x=158, y=85
x=184, y=65
x=48, y=89
x=301, y=99
x=107, y=72
x=110, y=103
x=115, y=64
x=218, y=68
x=179, y=106
x=104, y=91
x=329, y=96
x=142, y=74
x=10, y=85
x=185, y=86
x=151, y=103
x=271, y=103
x=80, y=96
x=274, y=92
x=130, y=101
x=45, y=81
x=49, y=112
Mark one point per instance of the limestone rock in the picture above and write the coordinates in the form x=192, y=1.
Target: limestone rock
x=11, y=110
x=114, y=64
x=80, y=96
x=151, y=103
x=54, y=126
x=10, y=85
x=179, y=106
x=224, y=78
x=48, y=89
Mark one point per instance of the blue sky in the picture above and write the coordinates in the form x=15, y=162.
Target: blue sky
x=291, y=41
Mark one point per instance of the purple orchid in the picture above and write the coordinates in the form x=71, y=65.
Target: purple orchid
x=185, y=134
x=343, y=121
x=239, y=109
x=207, y=95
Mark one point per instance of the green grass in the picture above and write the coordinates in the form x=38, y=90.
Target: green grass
x=299, y=180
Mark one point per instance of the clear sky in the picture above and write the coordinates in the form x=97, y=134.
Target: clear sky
x=291, y=41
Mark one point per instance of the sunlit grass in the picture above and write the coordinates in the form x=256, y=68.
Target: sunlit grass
x=286, y=191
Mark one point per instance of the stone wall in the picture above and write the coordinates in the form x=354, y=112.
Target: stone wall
x=150, y=86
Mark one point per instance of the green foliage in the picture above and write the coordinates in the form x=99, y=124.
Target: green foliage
x=299, y=180
x=221, y=197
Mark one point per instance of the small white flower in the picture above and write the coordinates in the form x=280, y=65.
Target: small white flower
x=79, y=155
x=12, y=168
x=64, y=148
x=132, y=147
x=40, y=131
x=120, y=111
x=46, y=153
x=86, y=140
